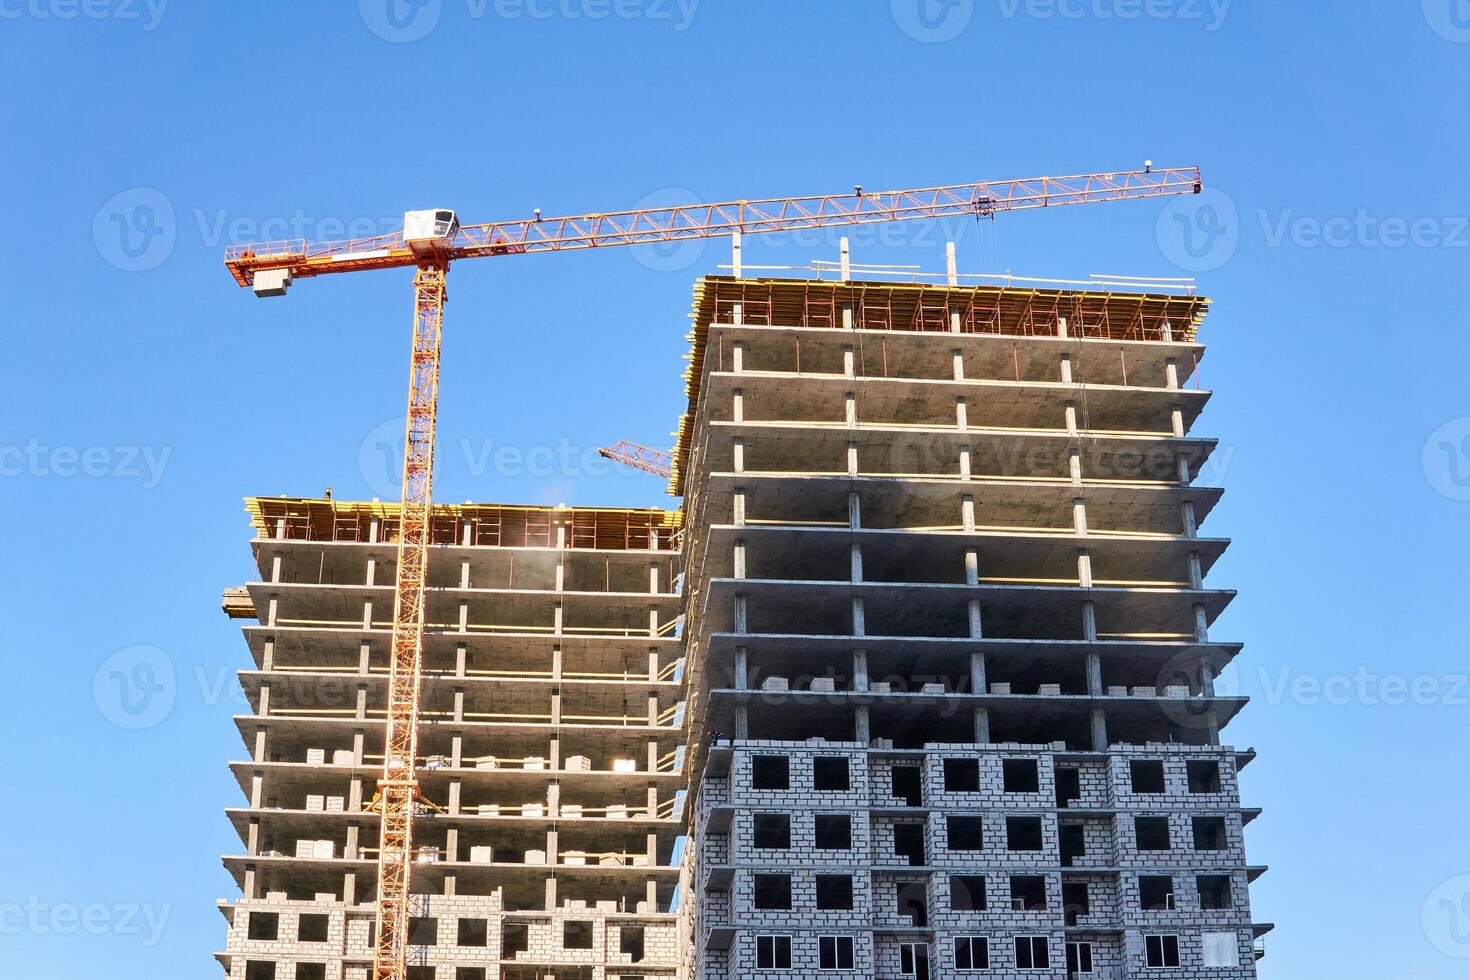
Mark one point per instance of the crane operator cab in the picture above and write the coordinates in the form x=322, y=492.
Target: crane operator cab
x=427, y=232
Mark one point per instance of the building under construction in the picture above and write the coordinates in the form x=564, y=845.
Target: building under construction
x=918, y=683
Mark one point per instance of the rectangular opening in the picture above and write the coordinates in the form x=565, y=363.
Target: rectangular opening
x=631, y=942
x=469, y=973
x=473, y=932
x=1156, y=893
x=1147, y=775
x=908, y=842
x=1032, y=954
x=1079, y=958
x=770, y=772
x=834, y=892
x=1204, y=776
x=1209, y=834
x=1075, y=903
x=829, y=774
x=1020, y=776
x=1069, y=785
x=311, y=971
x=971, y=953
x=1028, y=893
x=423, y=931
x=962, y=775
x=967, y=893
x=965, y=833
x=263, y=925
x=260, y=969
x=311, y=927
x=773, y=952
x=1221, y=948
x=906, y=784
x=576, y=934
x=1023, y=834
x=515, y=937
x=911, y=898
x=772, y=891
x=420, y=972
x=834, y=953
x=1161, y=951
x=1073, y=843
x=1214, y=892
x=833, y=832
x=1151, y=833
x=772, y=831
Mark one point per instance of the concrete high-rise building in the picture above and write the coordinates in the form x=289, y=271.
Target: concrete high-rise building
x=942, y=702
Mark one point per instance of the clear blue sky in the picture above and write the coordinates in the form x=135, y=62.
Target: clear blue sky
x=145, y=394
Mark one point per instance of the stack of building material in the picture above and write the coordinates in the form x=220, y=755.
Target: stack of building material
x=577, y=763
x=774, y=683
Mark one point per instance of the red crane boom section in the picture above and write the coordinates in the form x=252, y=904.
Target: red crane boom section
x=305, y=259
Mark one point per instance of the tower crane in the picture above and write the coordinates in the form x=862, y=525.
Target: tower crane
x=429, y=242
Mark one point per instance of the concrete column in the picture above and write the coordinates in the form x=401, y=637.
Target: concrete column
x=1084, y=569
x=1094, y=674
x=978, y=682
x=972, y=566
x=737, y=454
x=270, y=610
x=976, y=632
x=1099, y=730
x=364, y=658
x=372, y=572
x=1184, y=475
x=456, y=750
x=367, y=613
x=849, y=362
x=268, y=655
x=464, y=573
x=862, y=730
x=951, y=268
x=1066, y=365
x=1201, y=624
x=354, y=833
x=275, y=568
x=359, y=738
x=737, y=557
x=257, y=792
x=1089, y=621
x=1176, y=422
x=260, y=739
x=859, y=626
x=854, y=511
x=740, y=615
x=737, y=507
x=1191, y=526
x=1196, y=574
x=845, y=260
x=1079, y=515
x=461, y=660
x=958, y=357
x=982, y=726
x=362, y=702
x=860, y=670
x=856, y=551
x=1074, y=466
x=737, y=356
x=1061, y=326
x=1171, y=373
x=852, y=458
x=965, y=463
x=967, y=512
x=742, y=722
x=1070, y=414
x=459, y=704
x=264, y=707
x=736, y=266
x=961, y=416
x=742, y=668
x=737, y=405
x=1206, y=677
x=849, y=409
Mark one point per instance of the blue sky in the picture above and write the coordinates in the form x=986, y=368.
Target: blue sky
x=146, y=394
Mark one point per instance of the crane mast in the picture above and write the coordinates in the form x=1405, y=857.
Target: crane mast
x=270, y=268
